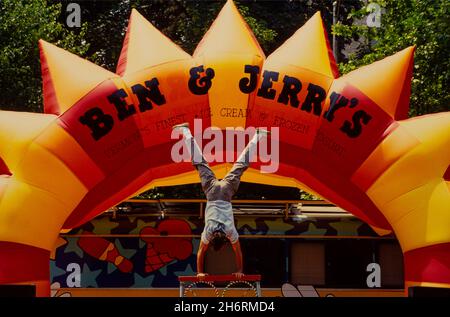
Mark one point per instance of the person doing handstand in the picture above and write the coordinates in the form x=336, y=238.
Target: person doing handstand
x=219, y=222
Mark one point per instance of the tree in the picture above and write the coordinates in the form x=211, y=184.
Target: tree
x=22, y=24
x=422, y=23
x=186, y=21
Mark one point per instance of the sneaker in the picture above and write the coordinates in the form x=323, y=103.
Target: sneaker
x=181, y=125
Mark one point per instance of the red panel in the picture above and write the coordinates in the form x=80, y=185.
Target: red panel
x=113, y=150
x=156, y=125
x=447, y=174
x=181, y=105
x=151, y=163
x=336, y=149
x=429, y=264
x=22, y=263
x=328, y=181
x=296, y=126
x=3, y=168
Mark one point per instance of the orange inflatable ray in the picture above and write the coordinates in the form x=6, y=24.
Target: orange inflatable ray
x=107, y=136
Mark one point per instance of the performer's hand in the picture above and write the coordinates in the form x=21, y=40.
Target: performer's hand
x=238, y=275
x=201, y=276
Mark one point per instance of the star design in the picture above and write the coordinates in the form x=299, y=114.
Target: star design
x=279, y=225
x=139, y=225
x=187, y=271
x=346, y=227
x=55, y=271
x=127, y=253
x=88, y=277
x=72, y=246
x=313, y=230
x=142, y=244
x=248, y=224
x=163, y=270
x=104, y=226
x=141, y=281
x=59, y=243
x=110, y=268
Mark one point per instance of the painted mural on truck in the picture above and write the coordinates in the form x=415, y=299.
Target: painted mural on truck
x=150, y=251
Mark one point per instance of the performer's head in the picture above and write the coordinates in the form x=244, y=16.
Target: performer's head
x=219, y=239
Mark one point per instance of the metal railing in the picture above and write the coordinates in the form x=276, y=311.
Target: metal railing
x=196, y=207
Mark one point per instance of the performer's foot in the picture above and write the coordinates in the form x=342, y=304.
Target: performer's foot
x=181, y=125
x=262, y=131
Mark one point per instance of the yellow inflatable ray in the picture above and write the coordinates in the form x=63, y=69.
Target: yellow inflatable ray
x=58, y=93
x=139, y=50
x=386, y=75
x=106, y=136
x=317, y=58
x=228, y=46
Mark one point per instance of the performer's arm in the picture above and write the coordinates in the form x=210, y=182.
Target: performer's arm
x=201, y=259
x=238, y=253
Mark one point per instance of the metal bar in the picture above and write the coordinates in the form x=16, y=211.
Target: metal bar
x=251, y=236
x=181, y=289
x=258, y=201
x=335, y=4
x=258, y=289
x=267, y=214
x=220, y=278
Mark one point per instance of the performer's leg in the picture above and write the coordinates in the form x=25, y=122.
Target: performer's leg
x=207, y=176
x=194, y=150
x=233, y=177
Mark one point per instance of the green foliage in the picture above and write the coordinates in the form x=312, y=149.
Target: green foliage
x=307, y=196
x=190, y=191
x=150, y=194
x=100, y=39
x=186, y=22
x=22, y=24
x=246, y=191
x=422, y=23
x=264, y=35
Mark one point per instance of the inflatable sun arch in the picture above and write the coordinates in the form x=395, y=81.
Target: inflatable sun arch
x=105, y=136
